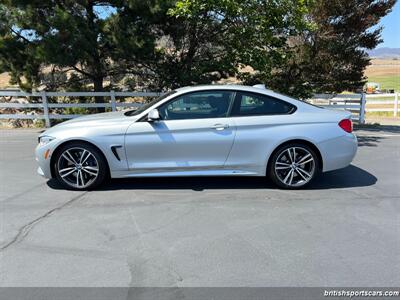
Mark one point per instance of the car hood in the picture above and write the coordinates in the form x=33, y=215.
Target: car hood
x=101, y=119
x=96, y=117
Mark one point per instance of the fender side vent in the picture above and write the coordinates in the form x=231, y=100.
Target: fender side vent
x=114, y=151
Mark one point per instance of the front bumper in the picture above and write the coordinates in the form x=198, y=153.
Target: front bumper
x=40, y=171
x=44, y=160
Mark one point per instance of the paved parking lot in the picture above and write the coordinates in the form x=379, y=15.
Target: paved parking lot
x=342, y=231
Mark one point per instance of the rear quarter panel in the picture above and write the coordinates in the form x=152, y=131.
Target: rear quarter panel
x=258, y=136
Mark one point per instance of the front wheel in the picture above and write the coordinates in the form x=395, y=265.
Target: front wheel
x=293, y=166
x=80, y=166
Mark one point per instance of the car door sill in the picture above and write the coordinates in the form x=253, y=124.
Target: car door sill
x=131, y=173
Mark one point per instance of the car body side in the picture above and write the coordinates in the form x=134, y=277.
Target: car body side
x=254, y=138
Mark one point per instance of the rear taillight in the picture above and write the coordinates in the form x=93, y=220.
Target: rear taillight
x=346, y=125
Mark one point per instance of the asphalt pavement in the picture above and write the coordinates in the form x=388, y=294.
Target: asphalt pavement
x=195, y=232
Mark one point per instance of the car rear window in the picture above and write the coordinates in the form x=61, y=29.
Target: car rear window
x=253, y=104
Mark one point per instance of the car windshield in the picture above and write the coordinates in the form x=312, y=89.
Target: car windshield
x=142, y=108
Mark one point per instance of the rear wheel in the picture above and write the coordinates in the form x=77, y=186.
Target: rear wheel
x=293, y=166
x=80, y=166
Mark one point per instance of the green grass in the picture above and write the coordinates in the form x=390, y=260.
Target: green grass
x=387, y=81
x=381, y=98
x=380, y=114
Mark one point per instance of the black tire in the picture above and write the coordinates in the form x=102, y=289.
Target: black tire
x=85, y=171
x=281, y=158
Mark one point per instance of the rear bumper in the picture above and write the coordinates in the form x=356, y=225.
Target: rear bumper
x=339, y=152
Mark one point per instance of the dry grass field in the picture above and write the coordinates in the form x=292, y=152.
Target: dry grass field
x=386, y=72
x=383, y=67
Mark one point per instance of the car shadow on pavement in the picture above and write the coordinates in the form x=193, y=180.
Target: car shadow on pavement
x=377, y=128
x=348, y=177
x=369, y=141
x=371, y=135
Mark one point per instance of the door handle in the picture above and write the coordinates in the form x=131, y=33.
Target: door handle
x=220, y=126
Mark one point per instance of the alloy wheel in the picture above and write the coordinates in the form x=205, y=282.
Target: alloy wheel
x=295, y=166
x=78, y=167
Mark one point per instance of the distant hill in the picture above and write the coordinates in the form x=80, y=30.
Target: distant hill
x=384, y=52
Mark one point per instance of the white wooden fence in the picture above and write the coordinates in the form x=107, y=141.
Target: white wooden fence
x=355, y=103
x=45, y=105
x=389, y=101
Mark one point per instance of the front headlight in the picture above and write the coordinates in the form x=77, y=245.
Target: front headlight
x=43, y=140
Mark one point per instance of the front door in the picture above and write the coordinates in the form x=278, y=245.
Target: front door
x=194, y=133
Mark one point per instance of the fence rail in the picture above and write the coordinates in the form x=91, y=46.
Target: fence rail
x=372, y=103
x=357, y=104
x=45, y=105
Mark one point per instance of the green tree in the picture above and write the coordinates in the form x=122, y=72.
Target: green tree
x=136, y=43
x=293, y=46
x=191, y=52
x=90, y=41
x=242, y=33
x=296, y=47
x=331, y=56
x=188, y=50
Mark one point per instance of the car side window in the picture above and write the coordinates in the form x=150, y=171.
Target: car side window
x=197, y=105
x=252, y=104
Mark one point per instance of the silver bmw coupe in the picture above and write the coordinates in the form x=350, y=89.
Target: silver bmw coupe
x=215, y=130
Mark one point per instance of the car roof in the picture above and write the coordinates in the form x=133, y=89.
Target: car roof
x=219, y=86
x=236, y=87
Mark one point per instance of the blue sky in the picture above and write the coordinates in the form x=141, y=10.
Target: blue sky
x=391, y=28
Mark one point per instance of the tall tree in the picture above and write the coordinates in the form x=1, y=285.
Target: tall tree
x=331, y=55
x=296, y=47
x=241, y=33
x=86, y=39
x=191, y=52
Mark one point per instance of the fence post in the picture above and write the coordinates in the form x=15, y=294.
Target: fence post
x=45, y=108
x=113, y=103
x=362, y=109
x=396, y=104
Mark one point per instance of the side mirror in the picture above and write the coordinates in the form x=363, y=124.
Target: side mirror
x=153, y=115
